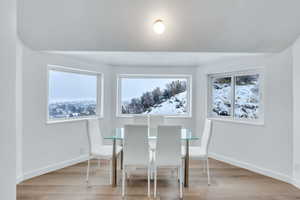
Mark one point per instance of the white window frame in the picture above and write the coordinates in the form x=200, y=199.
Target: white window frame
x=233, y=75
x=153, y=76
x=99, y=101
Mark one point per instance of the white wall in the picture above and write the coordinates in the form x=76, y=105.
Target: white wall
x=266, y=149
x=296, y=113
x=46, y=147
x=50, y=146
x=19, y=112
x=186, y=122
x=7, y=99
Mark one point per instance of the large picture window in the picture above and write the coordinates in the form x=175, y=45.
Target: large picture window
x=72, y=94
x=236, y=96
x=154, y=95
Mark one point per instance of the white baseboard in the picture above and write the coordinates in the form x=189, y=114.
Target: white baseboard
x=215, y=156
x=296, y=183
x=19, y=179
x=54, y=167
x=251, y=167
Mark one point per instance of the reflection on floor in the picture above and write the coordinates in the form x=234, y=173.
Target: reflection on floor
x=228, y=183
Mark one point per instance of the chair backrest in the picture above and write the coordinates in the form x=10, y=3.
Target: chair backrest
x=206, y=136
x=168, y=147
x=153, y=122
x=136, y=150
x=94, y=135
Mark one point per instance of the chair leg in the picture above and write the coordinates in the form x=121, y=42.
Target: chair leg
x=155, y=181
x=180, y=182
x=110, y=171
x=178, y=175
x=123, y=181
x=207, y=169
x=149, y=172
x=88, y=172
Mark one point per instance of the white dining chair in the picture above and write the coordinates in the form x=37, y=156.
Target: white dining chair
x=153, y=122
x=97, y=149
x=201, y=152
x=168, y=152
x=136, y=151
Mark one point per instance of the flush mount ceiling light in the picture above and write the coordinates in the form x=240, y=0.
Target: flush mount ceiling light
x=159, y=26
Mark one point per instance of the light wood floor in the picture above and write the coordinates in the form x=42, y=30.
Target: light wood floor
x=228, y=183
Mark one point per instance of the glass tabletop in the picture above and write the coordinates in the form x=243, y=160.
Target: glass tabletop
x=186, y=134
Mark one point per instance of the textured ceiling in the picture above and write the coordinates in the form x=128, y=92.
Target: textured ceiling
x=191, y=25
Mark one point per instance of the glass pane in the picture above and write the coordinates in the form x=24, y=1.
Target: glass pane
x=221, y=96
x=71, y=95
x=157, y=96
x=246, y=97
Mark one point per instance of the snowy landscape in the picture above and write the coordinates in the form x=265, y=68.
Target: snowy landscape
x=72, y=109
x=246, y=105
x=170, y=99
x=174, y=105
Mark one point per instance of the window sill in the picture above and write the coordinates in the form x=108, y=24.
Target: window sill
x=255, y=123
x=72, y=120
x=167, y=117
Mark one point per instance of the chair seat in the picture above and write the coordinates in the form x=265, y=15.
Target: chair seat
x=105, y=151
x=194, y=152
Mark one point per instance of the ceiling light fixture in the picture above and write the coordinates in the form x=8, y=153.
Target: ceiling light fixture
x=159, y=26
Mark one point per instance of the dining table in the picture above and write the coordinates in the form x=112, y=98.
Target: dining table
x=118, y=135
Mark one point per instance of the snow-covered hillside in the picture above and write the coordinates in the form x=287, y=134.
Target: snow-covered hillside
x=221, y=96
x=175, y=105
x=246, y=100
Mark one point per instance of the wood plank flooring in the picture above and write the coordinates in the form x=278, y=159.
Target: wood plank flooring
x=227, y=183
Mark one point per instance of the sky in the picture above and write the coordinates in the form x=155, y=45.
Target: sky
x=64, y=86
x=135, y=87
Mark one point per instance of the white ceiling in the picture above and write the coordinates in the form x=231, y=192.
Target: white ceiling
x=170, y=59
x=191, y=25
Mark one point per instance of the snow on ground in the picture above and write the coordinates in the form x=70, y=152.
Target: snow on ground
x=246, y=100
x=175, y=105
x=221, y=97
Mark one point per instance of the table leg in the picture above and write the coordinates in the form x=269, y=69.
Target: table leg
x=122, y=154
x=186, y=164
x=121, y=160
x=114, y=165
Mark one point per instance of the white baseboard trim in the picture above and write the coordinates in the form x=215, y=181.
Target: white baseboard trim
x=19, y=179
x=215, y=156
x=251, y=167
x=296, y=183
x=54, y=167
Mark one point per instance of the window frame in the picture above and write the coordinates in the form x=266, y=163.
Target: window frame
x=153, y=76
x=233, y=75
x=99, y=90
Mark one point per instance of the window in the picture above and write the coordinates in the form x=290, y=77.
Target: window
x=236, y=96
x=72, y=94
x=247, y=97
x=221, y=96
x=154, y=95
